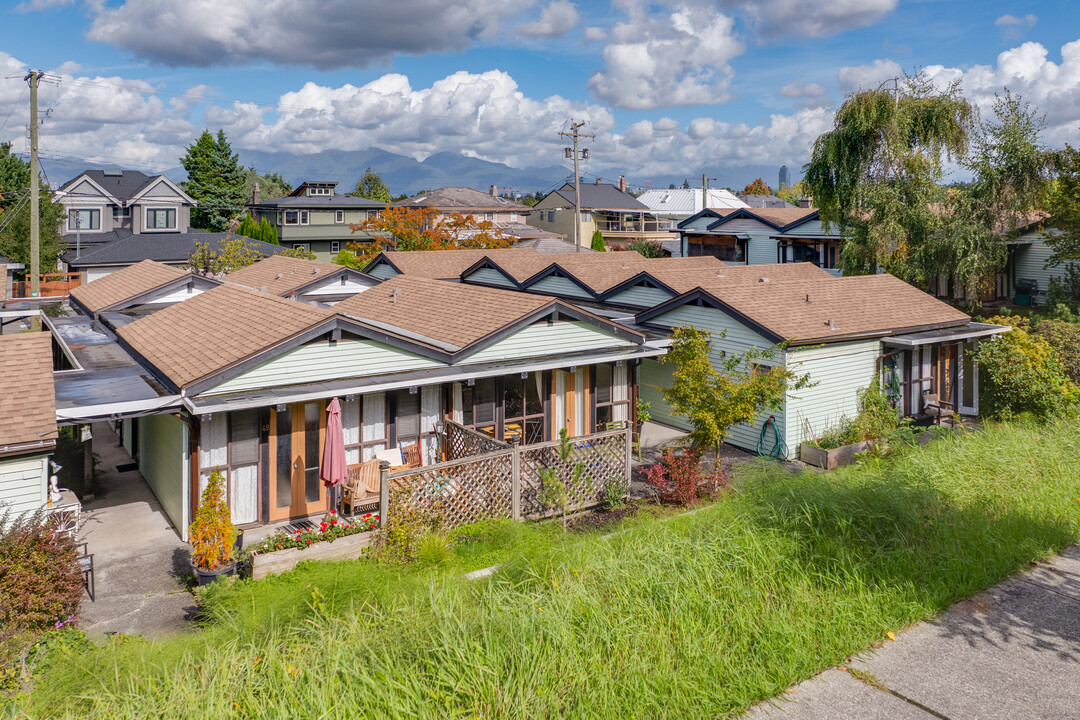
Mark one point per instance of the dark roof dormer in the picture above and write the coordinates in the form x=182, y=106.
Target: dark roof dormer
x=312, y=188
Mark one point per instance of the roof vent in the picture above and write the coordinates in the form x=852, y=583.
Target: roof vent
x=314, y=271
x=278, y=276
x=808, y=300
x=720, y=273
x=829, y=322
x=395, y=293
x=763, y=279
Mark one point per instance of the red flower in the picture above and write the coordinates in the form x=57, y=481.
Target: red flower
x=333, y=512
x=322, y=527
x=308, y=542
x=334, y=521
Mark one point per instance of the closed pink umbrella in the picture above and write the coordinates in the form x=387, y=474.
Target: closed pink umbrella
x=332, y=470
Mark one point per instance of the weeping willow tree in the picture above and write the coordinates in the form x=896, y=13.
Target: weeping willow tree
x=877, y=176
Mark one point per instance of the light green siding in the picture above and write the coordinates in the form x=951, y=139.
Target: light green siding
x=840, y=371
x=22, y=484
x=548, y=339
x=320, y=361
x=561, y=286
x=1031, y=261
x=640, y=296
x=162, y=452
x=383, y=271
x=653, y=376
x=127, y=432
x=490, y=276
x=738, y=338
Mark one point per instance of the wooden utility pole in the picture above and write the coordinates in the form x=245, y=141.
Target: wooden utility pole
x=35, y=231
x=574, y=127
x=704, y=192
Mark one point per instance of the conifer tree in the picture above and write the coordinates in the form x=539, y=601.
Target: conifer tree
x=215, y=181
x=598, y=241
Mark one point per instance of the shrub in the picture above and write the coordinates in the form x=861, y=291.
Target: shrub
x=598, y=241
x=1064, y=337
x=212, y=533
x=679, y=479
x=648, y=248
x=556, y=490
x=1020, y=372
x=1065, y=290
x=40, y=585
x=399, y=539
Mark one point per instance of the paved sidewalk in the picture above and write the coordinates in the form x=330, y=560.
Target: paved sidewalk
x=1012, y=652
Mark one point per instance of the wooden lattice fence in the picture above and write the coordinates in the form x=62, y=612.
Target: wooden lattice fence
x=505, y=483
x=460, y=442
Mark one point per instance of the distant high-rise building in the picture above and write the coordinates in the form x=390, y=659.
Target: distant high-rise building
x=785, y=176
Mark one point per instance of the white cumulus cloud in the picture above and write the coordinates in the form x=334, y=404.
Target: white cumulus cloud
x=868, y=77
x=556, y=19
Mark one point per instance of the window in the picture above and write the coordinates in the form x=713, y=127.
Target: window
x=610, y=394
x=84, y=219
x=513, y=217
x=304, y=217
x=319, y=191
x=523, y=408
x=335, y=246
x=489, y=216
x=478, y=406
x=292, y=217
x=120, y=213
x=551, y=216
x=160, y=218
x=339, y=216
x=306, y=247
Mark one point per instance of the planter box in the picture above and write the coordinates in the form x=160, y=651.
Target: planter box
x=279, y=561
x=832, y=459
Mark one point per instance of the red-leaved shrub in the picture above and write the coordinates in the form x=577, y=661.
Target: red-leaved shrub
x=40, y=584
x=679, y=478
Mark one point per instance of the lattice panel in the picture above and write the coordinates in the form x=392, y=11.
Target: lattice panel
x=461, y=442
x=604, y=461
x=460, y=492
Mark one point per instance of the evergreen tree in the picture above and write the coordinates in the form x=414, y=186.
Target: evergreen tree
x=372, y=187
x=598, y=241
x=267, y=232
x=15, y=214
x=261, y=230
x=215, y=181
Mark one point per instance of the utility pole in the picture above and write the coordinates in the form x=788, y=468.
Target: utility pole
x=35, y=232
x=577, y=176
x=704, y=192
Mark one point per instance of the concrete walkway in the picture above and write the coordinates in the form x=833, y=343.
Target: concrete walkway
x=1011, y=652
x=138, y=556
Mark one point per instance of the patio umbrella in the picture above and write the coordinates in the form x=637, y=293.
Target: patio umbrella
x=332, y=468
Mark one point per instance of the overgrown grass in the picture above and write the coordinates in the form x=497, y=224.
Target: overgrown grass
x=693, y=615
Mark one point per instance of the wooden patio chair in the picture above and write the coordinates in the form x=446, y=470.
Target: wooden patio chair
x=85, y=562
x=361, y=487
x=935, y=408
x=411, y=455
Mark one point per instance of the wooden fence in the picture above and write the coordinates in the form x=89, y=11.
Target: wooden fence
x=504, y=481
x=51, y=285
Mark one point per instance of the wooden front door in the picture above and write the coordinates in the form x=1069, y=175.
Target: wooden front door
x=296, y=441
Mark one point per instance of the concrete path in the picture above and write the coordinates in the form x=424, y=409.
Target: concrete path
x=1012, y=652
x=138, y=556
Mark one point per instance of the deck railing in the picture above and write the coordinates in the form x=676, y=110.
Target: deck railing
x=506, y=481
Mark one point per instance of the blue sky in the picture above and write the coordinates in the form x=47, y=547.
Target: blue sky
x=668, y=87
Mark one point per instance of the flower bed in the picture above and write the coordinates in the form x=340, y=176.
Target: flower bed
x=334, y=539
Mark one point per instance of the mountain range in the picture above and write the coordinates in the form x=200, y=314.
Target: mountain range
x=404, y=174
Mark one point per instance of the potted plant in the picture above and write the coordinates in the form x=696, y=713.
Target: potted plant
x=213, y=534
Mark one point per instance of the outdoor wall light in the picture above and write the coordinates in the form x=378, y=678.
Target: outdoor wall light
x=573, y=368
x=280, y=408
x=413, y=390
x=524, y=375
x=471, y=382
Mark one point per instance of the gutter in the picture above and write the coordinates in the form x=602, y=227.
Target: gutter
x=24, y=448
x=111, y=411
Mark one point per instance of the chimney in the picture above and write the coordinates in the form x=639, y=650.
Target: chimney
x=806, y=202
x=598, y=181
x=622, y=183
x=494, y=191
x=256, y=194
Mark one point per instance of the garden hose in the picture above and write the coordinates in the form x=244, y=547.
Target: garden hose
x=777, y=450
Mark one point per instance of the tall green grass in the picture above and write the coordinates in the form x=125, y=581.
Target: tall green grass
x=695, y=615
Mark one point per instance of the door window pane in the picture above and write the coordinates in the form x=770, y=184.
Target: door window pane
x=513, y=402
x=603, y=383
x=534, y=404
x=311, y=452
x=408, y=417
x=485, y=401
x=244, y=438
x=284, y=462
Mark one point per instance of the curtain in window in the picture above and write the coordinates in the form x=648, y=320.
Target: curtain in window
x=350, y=424
x=620, y=394
x=374, y=427
x=213, y=442
x=456, y=400
x=430, y=407
x=244, y=494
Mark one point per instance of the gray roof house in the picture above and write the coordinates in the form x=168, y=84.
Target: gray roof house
x=619, y=216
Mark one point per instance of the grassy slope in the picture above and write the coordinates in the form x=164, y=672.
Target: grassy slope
x=697, y=615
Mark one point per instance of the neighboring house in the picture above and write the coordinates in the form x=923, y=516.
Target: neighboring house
x=316, y=217
x=247, y=397
x=675, y=205
x=507, y=216
x=144, y=286
x=7, y=277
x=306, y=280
x=1029, y=259
x=169, y=249
x=842, y=332
x=27, y=421
x=753, y=236
x=763, y=202
x=620, y=217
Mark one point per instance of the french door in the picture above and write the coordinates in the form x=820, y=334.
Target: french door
x=296, y=440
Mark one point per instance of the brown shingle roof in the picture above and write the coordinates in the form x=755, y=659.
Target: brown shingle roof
x=280, y=275
x=217, y=329
x=452, y=313
x=859, y=305
x=781, y=216
x=27, y=399
x=442, y=264
x=682, y=279
x=125, y=284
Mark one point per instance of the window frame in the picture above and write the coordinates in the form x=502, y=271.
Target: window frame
x=305, y=217
x=295, y=220
x=611, y=401
x=335, y=246
x=500, y=389
x=306, y=247
x=92, y=212
x=339, y=216
x=147, y=211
